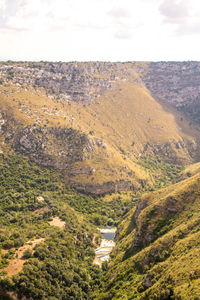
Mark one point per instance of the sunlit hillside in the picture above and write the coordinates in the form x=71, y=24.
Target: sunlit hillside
x=157, y=247
x=120, y=127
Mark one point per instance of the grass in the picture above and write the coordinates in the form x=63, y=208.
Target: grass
x=128, y=119
x=165, y=253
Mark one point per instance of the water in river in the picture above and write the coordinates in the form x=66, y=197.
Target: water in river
x=107, y=244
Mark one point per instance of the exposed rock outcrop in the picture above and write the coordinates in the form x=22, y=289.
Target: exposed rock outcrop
x=112, y=145
x=56, y=147
x=76, y=81
x=2, y=122
x=108, y=187
x=176, y=83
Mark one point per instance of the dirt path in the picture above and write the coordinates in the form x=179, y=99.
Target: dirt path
x=16, y=264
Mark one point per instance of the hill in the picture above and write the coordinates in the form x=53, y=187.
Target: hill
x=156, y=256
x=100, y=141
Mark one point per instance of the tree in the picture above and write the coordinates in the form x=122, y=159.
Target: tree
x=27, y=253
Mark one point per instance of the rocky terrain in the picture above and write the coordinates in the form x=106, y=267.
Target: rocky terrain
x=176, y=83
x=97, y=120
x=80, y=82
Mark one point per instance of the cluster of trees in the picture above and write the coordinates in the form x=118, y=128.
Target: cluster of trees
x=163, y=172
x=58, y=269
x=61, y=266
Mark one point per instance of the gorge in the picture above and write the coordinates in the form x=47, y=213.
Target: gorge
x=89, y=145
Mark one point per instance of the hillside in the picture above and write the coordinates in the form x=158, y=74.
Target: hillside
x=177, y=83
x=47, y=231
x=157, y=252
x=31, y=247
x=100, y=141
x=86, y=146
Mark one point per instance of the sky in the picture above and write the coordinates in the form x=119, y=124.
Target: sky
x=100, y=30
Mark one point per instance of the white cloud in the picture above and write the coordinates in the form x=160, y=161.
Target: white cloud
x=174, y=11
x=189, y=29
x=119, y=12
x=123, y=34
x=99, y=29
x=183, y=15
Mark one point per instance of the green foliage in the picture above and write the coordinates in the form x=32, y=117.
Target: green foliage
x=157, y=254
x=60, y=267
x=164, y=173
x=27, y=254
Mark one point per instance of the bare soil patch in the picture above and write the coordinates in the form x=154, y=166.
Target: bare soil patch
x=16, y=264
x=57, y=222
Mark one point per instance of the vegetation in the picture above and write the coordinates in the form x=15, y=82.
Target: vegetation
x=48, y=231
x=30, y=197
x=156, y=256
x=61, y=266
x=164, y=173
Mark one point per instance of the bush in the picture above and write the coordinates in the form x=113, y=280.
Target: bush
x=27, y=253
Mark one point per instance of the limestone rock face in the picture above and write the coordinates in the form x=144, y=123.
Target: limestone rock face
x=26, y=142
x=108, y=187
x=176, y=83
x=147, y=281
x=173, y=82
x=79, y=82
x=56, y=147
x=147, y=231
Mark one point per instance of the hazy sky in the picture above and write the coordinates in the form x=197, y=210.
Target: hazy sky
x=111, y=30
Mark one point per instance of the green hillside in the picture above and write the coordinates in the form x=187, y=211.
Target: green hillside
x=157, y=252
x=47, y=232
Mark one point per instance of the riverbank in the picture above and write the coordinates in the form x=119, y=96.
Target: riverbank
x=106, y=246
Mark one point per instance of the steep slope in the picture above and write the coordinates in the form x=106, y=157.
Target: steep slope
x=38, y=260
x=97, y=121
x=97, y=143
x=96, y=127
x=157, y=253
x=176, y=83
x=47, y=232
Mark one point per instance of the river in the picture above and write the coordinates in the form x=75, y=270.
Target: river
x=107, y=244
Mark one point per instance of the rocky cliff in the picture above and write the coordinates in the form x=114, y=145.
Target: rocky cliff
x=176, y=83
